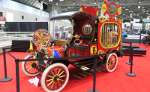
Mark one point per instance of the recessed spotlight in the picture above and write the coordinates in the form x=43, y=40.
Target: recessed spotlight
x=139, y=7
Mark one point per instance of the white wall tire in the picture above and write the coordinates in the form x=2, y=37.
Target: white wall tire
x=27, y=65
x=111, y=62
x=49, y=78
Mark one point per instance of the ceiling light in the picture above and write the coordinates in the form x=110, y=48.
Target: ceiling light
x=61, y=0
x=134, y=13
x=130, y=11
x=50, y=0
x=139, y=7
x=95, y=3
x=57, y=3
x=126, y=9
x=144, y=9
x=139, y=2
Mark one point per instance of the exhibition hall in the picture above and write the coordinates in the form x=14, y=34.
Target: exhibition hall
x=75, y=45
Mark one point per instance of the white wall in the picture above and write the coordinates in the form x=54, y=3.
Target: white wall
x=14, y=12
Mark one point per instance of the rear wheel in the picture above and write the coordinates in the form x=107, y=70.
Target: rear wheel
x=30, y=68
x=111, y=62
x=55, y=78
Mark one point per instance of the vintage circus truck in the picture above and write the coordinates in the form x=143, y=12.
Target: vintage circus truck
x=75, y=40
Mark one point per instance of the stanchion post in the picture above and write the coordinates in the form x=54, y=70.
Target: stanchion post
x=6, y=78
x=94, y=76
x=131, y=73
x=129, y=61
x=130, y=55
x=17, y=76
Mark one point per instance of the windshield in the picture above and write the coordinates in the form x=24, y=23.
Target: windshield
x=61, y=29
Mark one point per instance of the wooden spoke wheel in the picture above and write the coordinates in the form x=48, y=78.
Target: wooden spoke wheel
x=111, y=62
x=55, y=78
x=30, y=68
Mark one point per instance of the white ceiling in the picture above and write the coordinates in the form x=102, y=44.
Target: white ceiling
x=129, y=6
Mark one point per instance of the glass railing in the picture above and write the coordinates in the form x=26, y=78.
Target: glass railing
x=7, y=37
x=15, y=36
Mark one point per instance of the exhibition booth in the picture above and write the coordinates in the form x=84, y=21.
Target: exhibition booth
x=93, y=49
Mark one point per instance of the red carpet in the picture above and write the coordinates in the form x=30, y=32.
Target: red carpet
x=106, y=82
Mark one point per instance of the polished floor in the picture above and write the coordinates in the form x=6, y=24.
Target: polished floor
x=106, y=82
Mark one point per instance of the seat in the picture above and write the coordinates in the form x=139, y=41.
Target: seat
x=60, y=42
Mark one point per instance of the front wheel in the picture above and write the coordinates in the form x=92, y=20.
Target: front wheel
x=111, y=62
x=55, y=77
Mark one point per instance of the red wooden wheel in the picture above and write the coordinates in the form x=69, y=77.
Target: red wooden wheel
x=55, y=77
x=112, y=62
x=30, y=68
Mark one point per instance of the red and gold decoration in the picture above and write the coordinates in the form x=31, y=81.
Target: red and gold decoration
x=89, y=10
x=93, y=35
x=111, y=9
x=93, y=50
x=41, y=38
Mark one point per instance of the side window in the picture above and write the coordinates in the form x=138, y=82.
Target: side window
x=61, y=29
x=110, y=35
